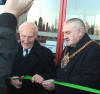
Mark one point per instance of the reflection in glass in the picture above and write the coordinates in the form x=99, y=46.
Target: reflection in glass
x=88, y=11
x=45, y=13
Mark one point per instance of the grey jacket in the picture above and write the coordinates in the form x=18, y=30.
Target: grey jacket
x=8, y=46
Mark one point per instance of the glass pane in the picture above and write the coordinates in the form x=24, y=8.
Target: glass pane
x=45, y=13
x=88, y=11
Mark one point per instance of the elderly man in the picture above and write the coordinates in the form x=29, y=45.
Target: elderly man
x=32, y=59
x=80, y=60
x=8, y=47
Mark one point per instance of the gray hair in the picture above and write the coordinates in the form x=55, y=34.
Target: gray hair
x=28, y=23
x=78, y=22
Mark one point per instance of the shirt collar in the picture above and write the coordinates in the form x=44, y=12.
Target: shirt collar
x=24, y=52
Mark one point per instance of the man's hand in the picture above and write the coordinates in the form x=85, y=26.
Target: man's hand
x=48, y=85
x=37, y=79
x=16, y=83
x=17, y=7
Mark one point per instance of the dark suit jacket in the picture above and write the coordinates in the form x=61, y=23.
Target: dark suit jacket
x=83, y=69
x=8, y=46
x=39, y=61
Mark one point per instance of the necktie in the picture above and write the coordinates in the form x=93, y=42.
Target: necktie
x=26, y=52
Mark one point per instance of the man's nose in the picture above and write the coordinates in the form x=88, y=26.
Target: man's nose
x=26, y=40
x=65, y=36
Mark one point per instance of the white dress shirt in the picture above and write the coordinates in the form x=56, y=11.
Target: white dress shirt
x=24, y=52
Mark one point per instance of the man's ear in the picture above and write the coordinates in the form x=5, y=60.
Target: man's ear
x=36, y=36
x=81, y=31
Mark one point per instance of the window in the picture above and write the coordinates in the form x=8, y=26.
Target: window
x=88, y=11
x=45, y=14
